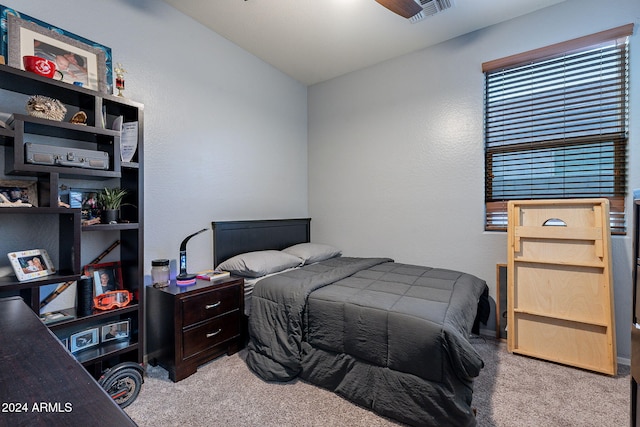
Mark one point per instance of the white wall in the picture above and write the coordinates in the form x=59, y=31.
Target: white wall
x=225, y=133
x=396, y=156
x=395, y=151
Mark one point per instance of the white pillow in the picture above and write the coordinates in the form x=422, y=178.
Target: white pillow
x=313, y=252
x=260, y=263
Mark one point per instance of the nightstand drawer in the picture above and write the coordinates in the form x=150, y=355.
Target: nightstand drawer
x=211, y=333
x=208, y=305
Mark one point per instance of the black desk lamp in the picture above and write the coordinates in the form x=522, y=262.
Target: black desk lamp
x=184, y=278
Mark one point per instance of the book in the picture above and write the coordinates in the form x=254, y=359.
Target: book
x=212, y=274
x=56, y=316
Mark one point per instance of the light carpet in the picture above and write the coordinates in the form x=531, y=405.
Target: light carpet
x=512, y=390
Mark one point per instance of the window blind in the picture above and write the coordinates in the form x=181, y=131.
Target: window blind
x=556, y=127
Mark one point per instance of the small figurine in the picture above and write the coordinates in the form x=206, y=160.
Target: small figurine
x=91, y=221
x=46, y=108
x=119, y=70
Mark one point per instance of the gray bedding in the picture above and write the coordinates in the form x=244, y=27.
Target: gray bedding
x=388, y=336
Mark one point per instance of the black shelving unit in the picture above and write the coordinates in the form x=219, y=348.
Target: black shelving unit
x=101, y=109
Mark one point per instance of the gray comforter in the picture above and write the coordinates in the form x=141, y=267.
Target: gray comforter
x=388, y=336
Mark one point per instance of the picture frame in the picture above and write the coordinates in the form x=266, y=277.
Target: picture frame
x=19, y=32
x=31, y=264
x=115, y=331
x=86, y=200
x=84, y=339
x=106, y=277
x=18, y=190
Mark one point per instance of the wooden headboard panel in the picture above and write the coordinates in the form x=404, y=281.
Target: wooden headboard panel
x=235, y=237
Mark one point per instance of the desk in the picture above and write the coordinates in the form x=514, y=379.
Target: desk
x=41, y=383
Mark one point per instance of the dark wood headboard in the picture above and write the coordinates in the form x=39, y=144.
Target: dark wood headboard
x=235, y=237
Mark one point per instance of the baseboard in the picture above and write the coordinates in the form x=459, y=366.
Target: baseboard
x=490, y=333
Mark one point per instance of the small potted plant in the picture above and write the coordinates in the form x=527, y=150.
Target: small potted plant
x=111, y=199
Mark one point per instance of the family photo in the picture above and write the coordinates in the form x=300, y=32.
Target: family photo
x=31, y=264
x=71, y=65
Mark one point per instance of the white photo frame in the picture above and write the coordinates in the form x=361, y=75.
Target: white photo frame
x=84, y=339
x=31, y=264
x=115, y=331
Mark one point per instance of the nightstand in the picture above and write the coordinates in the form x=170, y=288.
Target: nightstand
x=190, y=325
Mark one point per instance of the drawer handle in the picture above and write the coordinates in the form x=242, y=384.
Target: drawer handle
x=210, y=306
x=213, y=334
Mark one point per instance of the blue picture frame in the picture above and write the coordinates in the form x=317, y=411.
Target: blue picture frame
x=4, y=40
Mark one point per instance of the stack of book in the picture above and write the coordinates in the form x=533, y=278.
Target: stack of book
x=212, y=274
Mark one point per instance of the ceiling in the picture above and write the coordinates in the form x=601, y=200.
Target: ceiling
x=314, y=41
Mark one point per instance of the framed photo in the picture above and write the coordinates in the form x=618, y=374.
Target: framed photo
x=79, y=59
x=85, y=339
x=115, y=331
x=23, y=191
x=87, y=200
x=106, y=277
x=31, y=264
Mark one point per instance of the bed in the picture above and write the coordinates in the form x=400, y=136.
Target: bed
x=387, y=336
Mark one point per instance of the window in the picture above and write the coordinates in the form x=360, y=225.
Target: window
x=556, y=125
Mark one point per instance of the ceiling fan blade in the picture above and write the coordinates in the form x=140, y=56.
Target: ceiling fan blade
x=404, y=8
